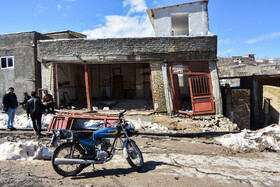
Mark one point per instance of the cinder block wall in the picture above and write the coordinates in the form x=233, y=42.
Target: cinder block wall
x=158, y=87
x=271, y=95
x=240, y=108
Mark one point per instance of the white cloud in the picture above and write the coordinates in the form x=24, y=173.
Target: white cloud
x=270, y=36
x=117, y=26
x=123, y=26
x=135, y=6
x=59, y=6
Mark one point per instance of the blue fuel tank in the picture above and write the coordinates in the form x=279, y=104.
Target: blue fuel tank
x=110, y=132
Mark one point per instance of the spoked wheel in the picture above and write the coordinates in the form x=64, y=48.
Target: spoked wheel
x=66, y=150
x=135, y=158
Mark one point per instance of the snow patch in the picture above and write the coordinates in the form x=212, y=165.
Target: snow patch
x=29, y=150
x=264, y=139
x=21, y=121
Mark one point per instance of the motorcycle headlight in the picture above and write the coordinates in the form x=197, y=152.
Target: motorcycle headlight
x=129, y=126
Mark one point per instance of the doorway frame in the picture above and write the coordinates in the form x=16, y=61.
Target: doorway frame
x=191, y=74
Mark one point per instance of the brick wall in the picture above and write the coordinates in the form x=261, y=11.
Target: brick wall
x=158, y=87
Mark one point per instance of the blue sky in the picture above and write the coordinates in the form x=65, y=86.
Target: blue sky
x=242, y=26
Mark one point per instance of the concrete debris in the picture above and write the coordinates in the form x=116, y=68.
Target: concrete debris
x=266, y=139
x=147, y=126
x=29, y=150
x=207, y=123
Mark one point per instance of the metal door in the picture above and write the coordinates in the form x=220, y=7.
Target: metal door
x=201, y=94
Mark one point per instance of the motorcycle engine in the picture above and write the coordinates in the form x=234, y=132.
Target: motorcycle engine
x=102, y=149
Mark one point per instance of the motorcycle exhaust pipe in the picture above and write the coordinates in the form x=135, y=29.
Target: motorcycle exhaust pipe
x=59, y=161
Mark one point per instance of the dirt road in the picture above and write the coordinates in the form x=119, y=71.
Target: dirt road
x=168, y=162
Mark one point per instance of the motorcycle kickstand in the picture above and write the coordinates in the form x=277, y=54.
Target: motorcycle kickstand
x=93, y=168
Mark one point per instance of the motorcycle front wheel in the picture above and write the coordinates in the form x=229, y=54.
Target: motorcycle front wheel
x=135, y=158
x=66, y=150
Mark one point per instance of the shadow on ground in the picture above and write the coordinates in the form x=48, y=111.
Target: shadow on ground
x=148, y=166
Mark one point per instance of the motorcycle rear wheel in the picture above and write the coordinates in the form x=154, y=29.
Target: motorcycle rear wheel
x=135, y=158
x=64, y=151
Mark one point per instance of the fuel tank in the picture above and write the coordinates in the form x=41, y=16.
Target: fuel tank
x=110, y=132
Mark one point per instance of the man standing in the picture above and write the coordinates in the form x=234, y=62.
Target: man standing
x=34, y=110
x=48, y=101
x=25, y=99
x=10, y=103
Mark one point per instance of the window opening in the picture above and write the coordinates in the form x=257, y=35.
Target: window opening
x=180, y=23
x=7, y=62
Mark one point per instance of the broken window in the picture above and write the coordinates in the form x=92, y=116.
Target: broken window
x=180, y=24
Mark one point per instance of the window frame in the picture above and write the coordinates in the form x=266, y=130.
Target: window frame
x=7, y=62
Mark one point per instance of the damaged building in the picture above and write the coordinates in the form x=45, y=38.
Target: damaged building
x=19, y=66
x=173, y=71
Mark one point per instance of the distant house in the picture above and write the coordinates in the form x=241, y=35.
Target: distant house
x=251, y=56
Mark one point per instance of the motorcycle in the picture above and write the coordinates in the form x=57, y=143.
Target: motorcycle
x=85, y=148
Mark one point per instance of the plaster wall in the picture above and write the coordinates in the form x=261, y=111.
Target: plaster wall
x=23, y=75
x=198, y=18
x=271, y=94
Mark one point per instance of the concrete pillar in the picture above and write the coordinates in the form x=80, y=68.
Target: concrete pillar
x=216, y=87
x=255, y=109
x=167, y=88
x=158, y=87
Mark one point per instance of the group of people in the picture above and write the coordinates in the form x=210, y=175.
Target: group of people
x=32, y=104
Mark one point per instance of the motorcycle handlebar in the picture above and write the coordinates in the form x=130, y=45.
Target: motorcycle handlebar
x=121, y=114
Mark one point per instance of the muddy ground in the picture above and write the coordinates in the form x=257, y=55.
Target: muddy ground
x=168, y=162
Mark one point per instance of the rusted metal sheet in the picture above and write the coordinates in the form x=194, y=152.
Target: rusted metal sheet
x=65, y=120
x=88, y=87
x=201, y=94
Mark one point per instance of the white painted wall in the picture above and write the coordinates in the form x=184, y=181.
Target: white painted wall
x=198, y=18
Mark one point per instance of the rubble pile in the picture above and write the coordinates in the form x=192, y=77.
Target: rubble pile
x=21, y=121
x=196, y=123
x=216, y=123
x=29, y=150
x=147, y=125
x=266, y=139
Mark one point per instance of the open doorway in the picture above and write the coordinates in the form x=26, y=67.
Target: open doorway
x=192, y=89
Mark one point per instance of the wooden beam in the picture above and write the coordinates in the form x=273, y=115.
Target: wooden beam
x=88, y=87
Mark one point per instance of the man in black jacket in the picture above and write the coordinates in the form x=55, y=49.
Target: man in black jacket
x=10, y=103
x=35, y=109
x=25, y=99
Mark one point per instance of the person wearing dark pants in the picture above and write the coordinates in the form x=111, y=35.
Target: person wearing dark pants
x=34, y=110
